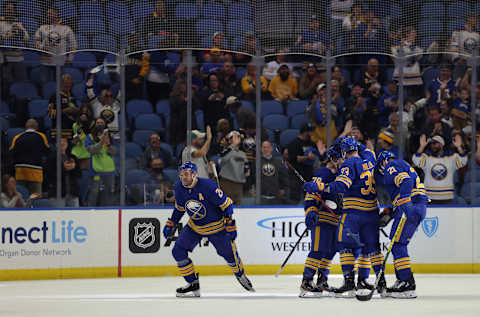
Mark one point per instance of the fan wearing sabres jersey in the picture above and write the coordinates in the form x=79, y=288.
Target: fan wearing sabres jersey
x=409, y=200
x=210, y=212
x=322, y=224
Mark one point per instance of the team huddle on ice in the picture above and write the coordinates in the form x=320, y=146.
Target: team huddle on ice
x=341, y=212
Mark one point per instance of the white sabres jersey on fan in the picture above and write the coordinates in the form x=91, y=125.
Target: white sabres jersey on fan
x=439, y=172
x=56, y=39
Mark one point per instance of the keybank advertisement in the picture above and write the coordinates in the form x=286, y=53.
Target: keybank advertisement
x=46, y=239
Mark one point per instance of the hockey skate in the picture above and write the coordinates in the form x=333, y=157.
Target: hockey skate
x=347, y=290
x=403, y=289
x=245, y=282
x=363, y=287
x=322, y=284
x=382, y=286
x=309, y=289
x=189, y=290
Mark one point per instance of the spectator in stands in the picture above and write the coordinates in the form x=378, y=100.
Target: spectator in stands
x=385, y=141
x=81, y=129
x=102, y=165
x=443, y=87
x=354, y=19
x=439, y=51
x=228, y=78
x=271, y=69
x=284, y=86
x=372, y=79
x=309, y=82
x=339, y=102
x=164, y=194
x=241, y=113
x=137, y=67
x=463, y=43
x=55, y=37
x=10, y=197
x=434, y=125
x=387, y=103
x=156, y=167
x=340, y=9
x=355, y=105
x=301, y=155
x=222, y=129
x=412, y=77
x=68, y=104
x=217, y=43
x=70, y=174
x=158, y=79
x=461, y=112
x=154, y=151
x=197, y=152
x=213, y=101
x=214, y=65
x=370, y=36
x=274, y=177
x=313, y=39
x=248, y=46
x=28, y=150
x=249, y=83
x=439, y=164
x=12, y=33
x=181, y=72
x=343, y=85
x=445, y=109
x=394, y=127
x=159, y=23
x=106, y=107
x=318, y=112
x=234, y=168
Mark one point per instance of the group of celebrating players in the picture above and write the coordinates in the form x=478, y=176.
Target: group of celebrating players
x=341, y=212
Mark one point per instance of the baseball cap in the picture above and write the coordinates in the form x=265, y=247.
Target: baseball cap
x=386, y=136
x=232, y=100
x=215, y=51
x=437, y=138
x=282, y=66
x=217, y=33
x=197, y=134
x=321, y=86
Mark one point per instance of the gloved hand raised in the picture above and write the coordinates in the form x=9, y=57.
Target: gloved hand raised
x=168, y=229
x=311, y=219
x=313, y=187
x=231, y=228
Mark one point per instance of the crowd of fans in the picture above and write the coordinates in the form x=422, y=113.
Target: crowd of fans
x=435, y=135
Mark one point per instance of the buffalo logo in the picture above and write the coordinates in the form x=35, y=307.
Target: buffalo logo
x=430, y=226
x=108, y=115
x=144, y=235
x=268, y=169
x=439, y=171
x=196, y=209
x=469, y=45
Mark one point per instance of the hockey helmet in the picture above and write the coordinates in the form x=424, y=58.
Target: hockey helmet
x=384, y=156
x=347, y=145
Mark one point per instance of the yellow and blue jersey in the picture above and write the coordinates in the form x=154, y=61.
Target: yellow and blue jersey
x=355, y=180
x=312, y=201
x=205, y=203
x=403, y=184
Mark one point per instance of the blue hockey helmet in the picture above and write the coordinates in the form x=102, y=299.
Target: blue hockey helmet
x=188, y=166
x=347, y=145
x=384, y=156
x=334, y=152
x=192, y=167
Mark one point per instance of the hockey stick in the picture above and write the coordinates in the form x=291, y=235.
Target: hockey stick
x=396, y=236
x=291, y=252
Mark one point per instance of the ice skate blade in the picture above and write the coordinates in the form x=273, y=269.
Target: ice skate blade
x=404, y=295
x=347, y=294
x=307, y=294
x=363, y=292
x=189, y=294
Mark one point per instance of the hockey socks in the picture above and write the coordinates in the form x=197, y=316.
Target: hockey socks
x=377, y=261
x=187, y=270
x=364, y=266
x=347, y=260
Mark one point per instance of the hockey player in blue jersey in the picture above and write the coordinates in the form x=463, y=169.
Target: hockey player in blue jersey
x=323, y=227
x=409, y=200
x=210, y=212
x=359, y=224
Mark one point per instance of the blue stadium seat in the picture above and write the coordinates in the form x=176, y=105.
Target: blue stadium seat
x=84, y=60
x=31, y=58
x=105, y=42
x=389, y=73
x=428, y=75
x=458, y=9
x=186, y=11
x=429, y=29
x=24, y=192
x=168, y=148
x=66, y=9
x=200, y=119
x=24, y=90
x=141, y=9
x=469, y=176
x=153, y=42
x=89, y=25
x=78, y=91
x=12, y=132
x=207, y=27
x=48, y=89
x=163, y=108
x=173, y=57
x=172, y=175
x=133, y=150
x=455, y=25
x=38, y=108
x=141, y=137
x=240, y=10
x=298, y=120
x=239, y=27
x=270, y=134
x=77, y=75
x=30, y=24
x=121, y=27
x=213, y=10
x=296, y=107
x=136, y=106
x=4, y=124
x=42, y=203
x=82, y=42
x=29, y=8
x=478, y=9
x=466, y=193
x=433, y=9
x=91, y=9
x=116, y=11
x=179, y=150
x=395, y=10
x=271, y=107
x=39, y=76
x=148, y=121
x=288, y=136
x=135, y=179
x=275, y=122
x=4, y=108
x=247, y=104
x=240, y=72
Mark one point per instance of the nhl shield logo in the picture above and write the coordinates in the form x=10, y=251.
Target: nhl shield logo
x=144, y=235
x=430, y=226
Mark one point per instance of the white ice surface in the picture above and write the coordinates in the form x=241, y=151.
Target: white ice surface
x=438, y=295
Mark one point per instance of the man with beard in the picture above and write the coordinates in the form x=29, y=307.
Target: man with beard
x=439, y=165
x=283, y=87
x=309, y=82
x=274, y=177
x=231, y=85
x=197, y=152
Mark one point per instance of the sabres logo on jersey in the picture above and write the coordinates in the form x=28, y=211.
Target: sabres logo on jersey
x=196, y=209
x=439, y=171
x=268, y=169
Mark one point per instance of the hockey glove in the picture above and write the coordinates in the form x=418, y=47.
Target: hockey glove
x=385, y=217
x=313, y=187
x=168, y=229
x=231, y=228
x=311, y=219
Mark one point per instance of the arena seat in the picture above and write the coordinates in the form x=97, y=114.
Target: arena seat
x=275, y=122
x=207, y=27
x=288, y=136
x=148, y=121
x=296, y=107
x=38, y=108
x=141, y=137
x=186, y=10
x=271, y=107
x=48, y=89
x=298, y=120
x=91, y=9
x=240, y=10
x=24, y=90
x=214, y=10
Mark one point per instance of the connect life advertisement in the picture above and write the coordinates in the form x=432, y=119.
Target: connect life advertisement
x=57, y=239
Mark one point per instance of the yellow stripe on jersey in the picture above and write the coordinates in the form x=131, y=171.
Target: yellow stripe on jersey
x=313, y=197
x=317, y=238
x=311, y=209
x=402, y=201
x=340, y=229
x=347, y=181
x=178, y=207
x=207, y=229
x=328, y=218
x=359, y=204
x=402, y=224
x=227, y=203
x=400, y=177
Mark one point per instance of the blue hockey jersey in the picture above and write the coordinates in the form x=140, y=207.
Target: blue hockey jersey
x=355, y=180
x=312, y=202
x=435, y=92
x=403, y=184
x=205, y=203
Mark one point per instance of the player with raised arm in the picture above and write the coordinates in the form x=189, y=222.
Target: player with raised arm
x=359, y=224
x=210, y=212
x=410, y=199
x=323, y=228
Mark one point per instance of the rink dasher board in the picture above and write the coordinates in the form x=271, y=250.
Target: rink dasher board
x=45, y=244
